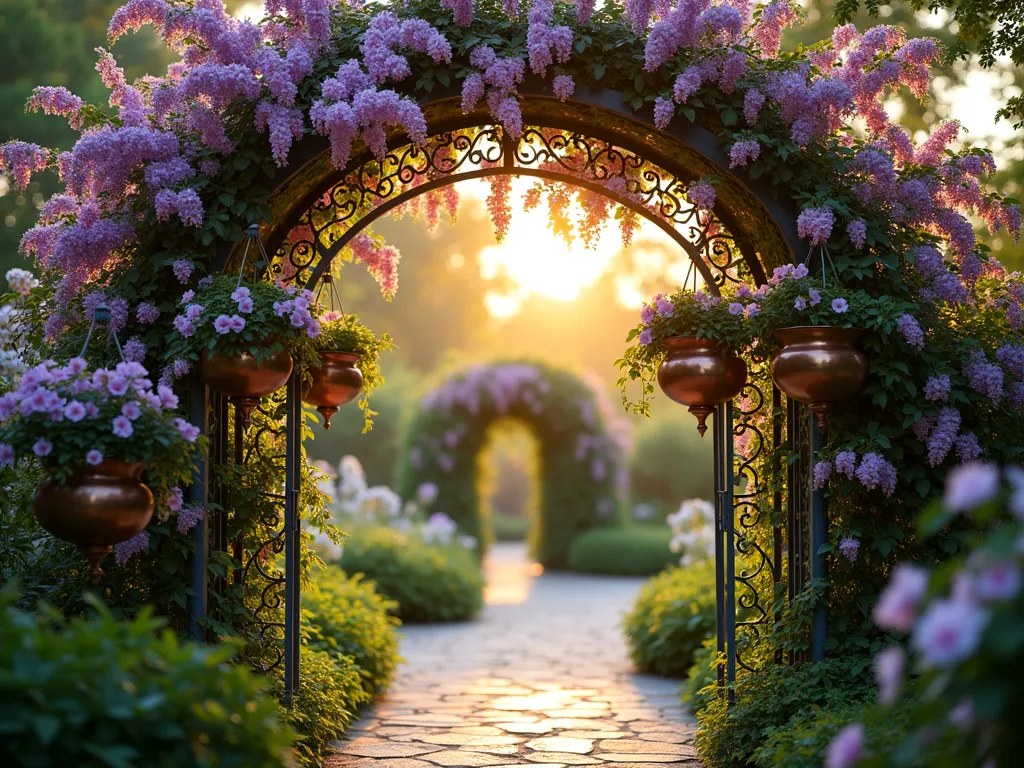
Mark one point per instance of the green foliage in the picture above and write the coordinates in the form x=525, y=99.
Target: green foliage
x=803, y=743
x=512, y=528
x=670, y=461
x=672, y=617
x=767, y=701
x=445, y=438
x=702, y=680
x=346, y=617
x=330, y=692
x=101, y=692
x=429, y=583
x=628, y=550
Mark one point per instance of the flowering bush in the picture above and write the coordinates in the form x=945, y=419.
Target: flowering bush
x=962, y=627
x=69, y=417
x=344, y=333
x=693, y=529
x=685, y=313
x=583, y=474
x=231, y=318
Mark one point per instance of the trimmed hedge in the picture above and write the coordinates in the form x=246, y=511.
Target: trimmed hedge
x=767, y=702
x=347, y=618
x=510, y=527
x=429, y=583
x=102, y=692
x=672, y=617
x=633, y=550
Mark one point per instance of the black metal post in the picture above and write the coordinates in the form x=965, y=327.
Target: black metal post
x=293, y=476
x=720, y=589
x=778, y=515
x=199, y=414
x=819, y=537
x=730, y=541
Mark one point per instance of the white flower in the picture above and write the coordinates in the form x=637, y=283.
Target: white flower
x=948, y=632
x=21, y=281
x=999, y=581
x=971, y=485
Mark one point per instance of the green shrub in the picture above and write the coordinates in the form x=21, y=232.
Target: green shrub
x=510, y=527
x=767, y=701
x=429, y=583
x=803, y=743
x=702, y=674
x=330, y=692
x=348, y=618
x=673, y=615
x=102, y=692
x=633, y=550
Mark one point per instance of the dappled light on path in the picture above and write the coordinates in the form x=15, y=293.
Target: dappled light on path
x=542, y=679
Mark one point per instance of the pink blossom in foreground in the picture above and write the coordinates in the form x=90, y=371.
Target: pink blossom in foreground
x=847, y=748
x=889, y=667
x=971, y=485
x=948, y=632
x=898, y=601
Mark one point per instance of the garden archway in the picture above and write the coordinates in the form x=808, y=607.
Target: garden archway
x=582, y=472
x=590, y=142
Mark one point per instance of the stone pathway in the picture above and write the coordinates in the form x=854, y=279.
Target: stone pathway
x=541, y=679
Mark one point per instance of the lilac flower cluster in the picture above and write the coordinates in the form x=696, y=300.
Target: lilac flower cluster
x=938, y=388
x=126, y=550
x=816, y=224
x=911, y=331
x=984, y=377
x=742, y=153
x=546, y=42
x=872, y=472
x=849, y=547
x=702, y=194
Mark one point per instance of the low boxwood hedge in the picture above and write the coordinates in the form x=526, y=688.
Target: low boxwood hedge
x=630, y=550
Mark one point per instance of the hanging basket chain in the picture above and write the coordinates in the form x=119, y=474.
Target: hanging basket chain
x=101, y=319
x=252, y=233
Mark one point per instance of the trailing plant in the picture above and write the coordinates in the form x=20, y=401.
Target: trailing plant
x=430, y=583
x=69, y=418
x=347, y=617
x=344, y=333
x=672, y=617
x=98, y=692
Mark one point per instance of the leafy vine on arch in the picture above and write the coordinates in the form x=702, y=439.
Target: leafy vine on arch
x=582, y=470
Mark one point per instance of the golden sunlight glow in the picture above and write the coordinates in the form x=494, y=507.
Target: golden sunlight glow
x=251, y=11
x=537, y=262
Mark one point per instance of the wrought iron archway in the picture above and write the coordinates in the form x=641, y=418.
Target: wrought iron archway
x=776, y=528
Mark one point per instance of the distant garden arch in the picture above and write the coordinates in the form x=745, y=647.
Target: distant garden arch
x=582, y=466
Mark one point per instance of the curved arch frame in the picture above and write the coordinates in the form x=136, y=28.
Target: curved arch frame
x=762, y=228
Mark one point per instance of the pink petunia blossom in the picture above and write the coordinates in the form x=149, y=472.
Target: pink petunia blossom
x=122, y=426
x=847, y=748
x=897, y=603
x=948, y=632
x=42, y=447
x=889, y=666
x=971, y=485
x=222, y=324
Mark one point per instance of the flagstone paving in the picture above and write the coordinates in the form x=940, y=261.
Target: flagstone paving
x=542, y=679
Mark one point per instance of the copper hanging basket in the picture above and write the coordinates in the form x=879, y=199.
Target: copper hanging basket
x=336, y=382
x=819, y=366
x=244, y=379
x=699, y=374
x=96, y=508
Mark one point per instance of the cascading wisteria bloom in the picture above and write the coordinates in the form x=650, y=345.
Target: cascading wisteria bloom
x=815, y=224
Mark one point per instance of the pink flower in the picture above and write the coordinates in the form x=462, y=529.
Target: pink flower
x=193, y=312
x=665, y=307
x=997, y=582
x=949, y=632
x=131, y=410
x=117, y=385
x=6, y=455
x=898, y=601
x=74, y=411
x=753, y=310
x=245, y=305
x=846, y=748
x=971, y=485
x=167, y=397
x=42, y=447
x=564, y=86
x=840, y=305
x=189, y=431
x=816, y=224
x=94, y=458
x=176, y=499
x=240, y=293
x=222, y=324
x=123, y=426
x=889, y=666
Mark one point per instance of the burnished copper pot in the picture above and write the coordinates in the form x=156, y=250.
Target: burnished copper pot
x=697, y=373
x=244, y=379
x=96, y=508
x=819, y=366
x=337, y=381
